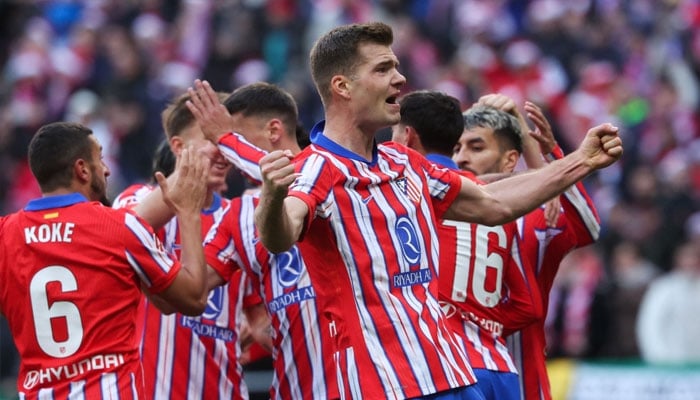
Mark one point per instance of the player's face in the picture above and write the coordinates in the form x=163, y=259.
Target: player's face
x=254, y=129
x=399, y=134
x=375, y=86
x=192, y=136
x=478, y=151
x=99, y=173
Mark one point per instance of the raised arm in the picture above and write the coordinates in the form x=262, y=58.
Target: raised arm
x=504, y=200
x=188, y=292
x=278, y=217
x=215, y=122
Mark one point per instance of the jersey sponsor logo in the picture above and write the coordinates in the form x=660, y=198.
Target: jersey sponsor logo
x=55, y=232
x=215, y=303
x=408, y=238
x=448, y=309
x=289, y=267
x=291, y=298
x=411, y=278
x=65, y=372
x=207, y=329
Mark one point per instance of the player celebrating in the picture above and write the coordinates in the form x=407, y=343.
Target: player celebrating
x=486, y=148
x=480, y=266
x=194, y=357
x=71, y=270
x=267, y=117
x=363, y=216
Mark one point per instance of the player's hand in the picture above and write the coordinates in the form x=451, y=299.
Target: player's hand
x=542, y=133
x=212, y=116
x=499, y=101
x=602, y=146
x=187, y=193
x=552, y=210
x=277, y=170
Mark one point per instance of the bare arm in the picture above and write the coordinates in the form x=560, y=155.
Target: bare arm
x=278, y=217
x=536, y=144
x=188, y=293
x=153, y=208
x=504, y=200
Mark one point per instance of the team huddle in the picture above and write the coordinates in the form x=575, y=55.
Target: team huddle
x=414, y=268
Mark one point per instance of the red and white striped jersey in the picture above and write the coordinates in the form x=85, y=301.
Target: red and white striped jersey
x=485, y=290
x=193, y=357
x=71, y=272
x=545, y=247
x=370, y=237
x=302, y=351
x=242, y=154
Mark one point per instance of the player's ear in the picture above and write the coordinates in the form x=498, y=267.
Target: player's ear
x=81, y=170
x=275, y=130
x=176, y=145
x=412, y=138
x=341, y=85
x=510, y=158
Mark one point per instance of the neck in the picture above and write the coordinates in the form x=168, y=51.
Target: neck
x=66, y=190
x=351, y=135
x=209, y=200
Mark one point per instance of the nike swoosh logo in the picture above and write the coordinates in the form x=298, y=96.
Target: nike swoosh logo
x=367, y=199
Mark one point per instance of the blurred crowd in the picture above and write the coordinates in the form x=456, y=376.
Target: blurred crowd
x=114, y=64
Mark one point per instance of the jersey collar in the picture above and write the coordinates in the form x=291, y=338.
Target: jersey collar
x=441, y=160
x=318, y=138
x=215, y=205
x=61, y=200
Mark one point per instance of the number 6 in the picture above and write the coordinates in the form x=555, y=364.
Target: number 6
x=43, y=312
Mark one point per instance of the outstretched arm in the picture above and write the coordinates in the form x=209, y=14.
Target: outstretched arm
x=187, y=293
x=504, y=200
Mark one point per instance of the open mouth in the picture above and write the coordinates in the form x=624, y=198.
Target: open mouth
x=392, y=99
x=220, y=165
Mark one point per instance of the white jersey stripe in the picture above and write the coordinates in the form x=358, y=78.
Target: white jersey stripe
x=195, y=385
x=574, y=195
x=166, y=354
x=147, y=239
x=108, y=386
x=45, y=394
x=77, y=390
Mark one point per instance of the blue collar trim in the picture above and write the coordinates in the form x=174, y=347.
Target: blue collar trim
x=61, y=200
x=318, y=138
x=441, y=160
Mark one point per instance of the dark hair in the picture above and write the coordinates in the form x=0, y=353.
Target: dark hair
x=176, y=117
x=336, y=52
x=264, y=100
x=505, y=126
x=302, y=136
x=54, y=149
x=163, y=159
x=436, y=117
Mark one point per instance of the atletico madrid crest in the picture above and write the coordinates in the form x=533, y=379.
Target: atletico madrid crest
x=409, y=188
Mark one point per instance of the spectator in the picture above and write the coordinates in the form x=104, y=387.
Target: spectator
x=668, y=325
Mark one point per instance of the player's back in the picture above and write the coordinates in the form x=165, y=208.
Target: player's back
x=479, y=268
x=70, y=298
